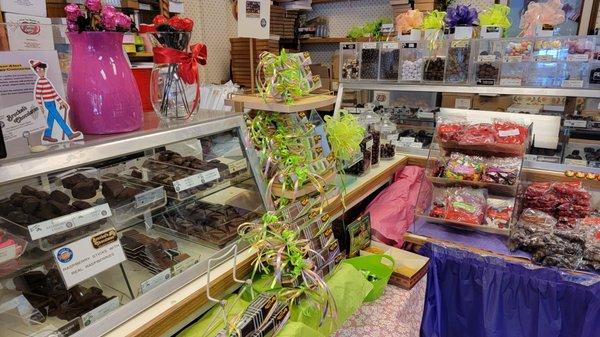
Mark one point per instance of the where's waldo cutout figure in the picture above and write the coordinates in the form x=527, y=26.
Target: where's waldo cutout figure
x=50, y=103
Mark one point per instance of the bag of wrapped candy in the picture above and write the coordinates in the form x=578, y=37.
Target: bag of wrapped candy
x=465, y=204
x=480, y=133
x=503, y=171
x=591, y=253
x=449, y=130
x=510, y=132
x=499, y=212
x=464, y=167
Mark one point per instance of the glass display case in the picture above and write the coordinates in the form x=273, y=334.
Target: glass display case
x=115, y=223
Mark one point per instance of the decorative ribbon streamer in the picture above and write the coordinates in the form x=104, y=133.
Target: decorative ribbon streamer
x=409, y=20
x=548, y=13
x=434, y=20
x=187, y=64
x=460, y=15
x=496, y=15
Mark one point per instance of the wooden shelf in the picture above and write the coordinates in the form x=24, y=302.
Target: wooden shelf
x=256, y=102
x=467, y=226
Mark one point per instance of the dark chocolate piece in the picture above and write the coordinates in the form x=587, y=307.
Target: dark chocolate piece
x=28, y=190
x=70, y=181
x=42, y=195
x=128, y=193
x=81, y=205
x=16, y=199
x=30, y=205
x=59, y=208
x=111, y=189
x=59, y=196
x=44, y=211
x=84, y=190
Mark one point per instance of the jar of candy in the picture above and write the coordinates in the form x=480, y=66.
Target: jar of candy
x=388, y=132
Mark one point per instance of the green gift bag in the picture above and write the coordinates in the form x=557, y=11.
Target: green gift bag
x=373, y=264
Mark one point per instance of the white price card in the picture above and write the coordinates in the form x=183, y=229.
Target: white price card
x=392, y=136
x=575, y=123
x=196, y=180
x=487, y=58
x=84, y=258
x=510, y=82
x=406, y=139
x=8, y=253
x=149, y=197
x=514, y=58
x=369, y=45
x=97, y=313
x=416, y=145
x=426, y=115
x=577, y=162
x=390, y=45
x=462, y=103
x=183, y=266
x=237, y=165
x=577, y=57
x=68, y=222
x=155, y=281
x=572, y=84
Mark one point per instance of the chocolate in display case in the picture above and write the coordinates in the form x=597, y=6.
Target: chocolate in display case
x=161, y=210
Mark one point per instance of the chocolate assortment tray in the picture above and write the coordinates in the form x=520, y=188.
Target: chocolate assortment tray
x=213, y=225
x=154, y=254
x=185, y=177
x=56, y=217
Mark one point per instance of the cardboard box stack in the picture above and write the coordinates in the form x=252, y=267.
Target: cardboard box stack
x=399, y=6
x=283, y=23
x=425, y=5
x=240, y=57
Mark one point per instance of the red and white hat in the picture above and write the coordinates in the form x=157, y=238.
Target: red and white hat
x=35, y=63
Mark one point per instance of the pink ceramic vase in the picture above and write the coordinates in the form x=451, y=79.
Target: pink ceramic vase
x=101, y=89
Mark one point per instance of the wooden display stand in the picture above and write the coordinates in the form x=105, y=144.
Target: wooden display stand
x=255, y=102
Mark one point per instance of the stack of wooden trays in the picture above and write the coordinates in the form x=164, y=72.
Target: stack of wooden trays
x=242, y=68
x=400, y=6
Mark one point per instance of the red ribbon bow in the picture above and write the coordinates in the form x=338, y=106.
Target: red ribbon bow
x=187, y=64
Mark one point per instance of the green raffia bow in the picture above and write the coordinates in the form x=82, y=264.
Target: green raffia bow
x=496, y=15
x=282, y=77
x=434, y=20
x=344, y=133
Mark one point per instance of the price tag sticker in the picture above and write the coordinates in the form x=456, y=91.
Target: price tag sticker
x=390, y=45
x=577, y=57
x=545, y=58
x=211, y=175
x=575, y=123
x=155, y=281
x=349, y=46
x=69, y=221
x=514, y=58
x=548, y=159
x=97, y=313
x=572, y=84
x=392, y=136
x=416, y=145
x=8, y=253
x=425, y=115
x=369, y=144
x=577, y=162
x=462, y=103
x=369, y=45
x=237, y=165
x=406, y=139
x=149, y=197
x=531, y=157
x=487, y=58
x=510, y=82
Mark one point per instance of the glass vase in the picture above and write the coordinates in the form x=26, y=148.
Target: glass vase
x=171, y=97
x=101, y=89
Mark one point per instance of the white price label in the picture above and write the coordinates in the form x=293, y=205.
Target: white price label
x=369, y=45
x=183, y=265
x=369, y=144
x=509, y=133
x=68, y=222
x=572, y=84
x=149, y=197
x=97, y=313
x=514, y=58
x=8, y=253
x=417, y=145
x=155, y=281
x=237, y=165
x=402, y=144
x=84, y=258
x=548, y=159
x=487, y=58
x=577, y=57
x=577, y=162
x=575, y=123
x=531, y=157
x=462, y=103
x=426, y=115
x=196, y=180
x=393, y=136
x=510, y=82
x=406, y=139
x=390, y=45
x=545, y=58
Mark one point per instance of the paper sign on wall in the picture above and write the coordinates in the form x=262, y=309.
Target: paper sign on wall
x=89, y=256
x=253, y=18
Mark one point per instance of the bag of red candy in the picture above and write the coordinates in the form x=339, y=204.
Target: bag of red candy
x=566, y=201
x=509, y=132
x=438, y=208
x=481, y=133
x=465, y=204
x=449, y=131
